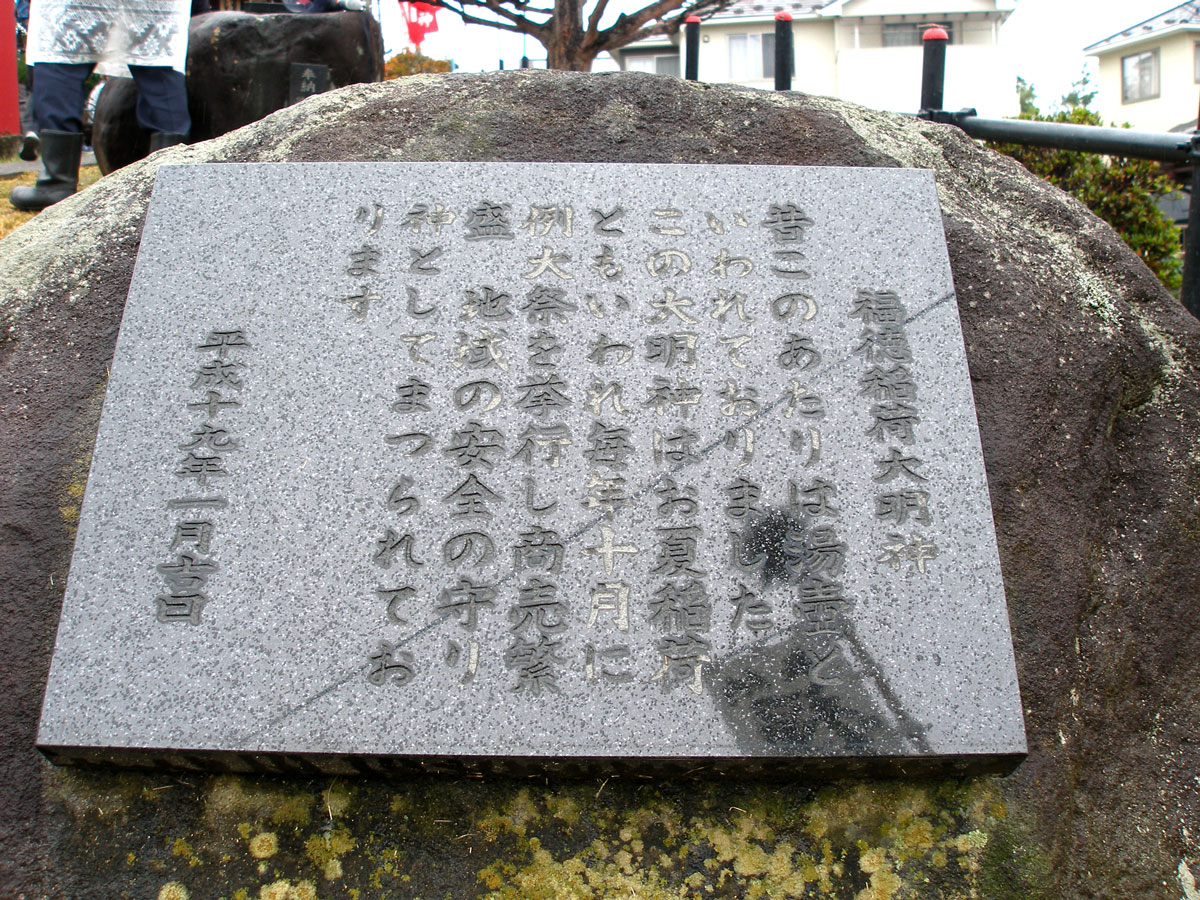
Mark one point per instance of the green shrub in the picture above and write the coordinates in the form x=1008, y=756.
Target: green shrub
x=1121, y=191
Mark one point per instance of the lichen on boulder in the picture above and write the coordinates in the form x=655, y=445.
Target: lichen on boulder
x=1084, y=372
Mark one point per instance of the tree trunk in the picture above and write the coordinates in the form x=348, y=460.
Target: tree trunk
x=564, y=49
x=559, y=57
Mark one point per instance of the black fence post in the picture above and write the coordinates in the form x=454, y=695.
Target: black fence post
x=1189, y=291
x=524, y=62
x=933, y=70
x=1161, y=146
x=691, y=31
x=783, y=51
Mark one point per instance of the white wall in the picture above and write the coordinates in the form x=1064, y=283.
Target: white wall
x=890, y=78
x=827, y=64
x=1178, y=91
x=857, y=34
x=812, y=42
x=908, y=7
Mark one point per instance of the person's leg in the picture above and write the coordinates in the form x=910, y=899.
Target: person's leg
x=162, y=105
x=58, y=95
x=29, y=143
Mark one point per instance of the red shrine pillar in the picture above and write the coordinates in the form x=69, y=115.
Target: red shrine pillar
x=10, y=114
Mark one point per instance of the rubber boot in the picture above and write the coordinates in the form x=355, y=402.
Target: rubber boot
x=60, y=172
x=29, y=146
x=161, y=139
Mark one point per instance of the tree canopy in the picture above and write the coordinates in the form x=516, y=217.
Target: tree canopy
x=413, y=62
x=571, y=30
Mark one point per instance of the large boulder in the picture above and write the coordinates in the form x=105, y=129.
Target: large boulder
x=1085, y=378
x=239, y=70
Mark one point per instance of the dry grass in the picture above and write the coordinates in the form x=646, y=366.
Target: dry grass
x=12, y=219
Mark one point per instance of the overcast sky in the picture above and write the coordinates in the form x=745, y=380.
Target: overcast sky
x=1047, y=38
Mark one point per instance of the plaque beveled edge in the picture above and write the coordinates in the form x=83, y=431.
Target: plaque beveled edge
x=365, y=764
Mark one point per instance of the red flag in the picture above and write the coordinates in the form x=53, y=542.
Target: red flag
x=421, y=19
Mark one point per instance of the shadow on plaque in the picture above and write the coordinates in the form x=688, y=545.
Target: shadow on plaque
x=810, y=691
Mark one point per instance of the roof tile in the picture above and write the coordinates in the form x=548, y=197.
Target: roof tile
x=759, y=8
x=1183, y=14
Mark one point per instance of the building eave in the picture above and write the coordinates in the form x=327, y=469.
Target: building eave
x=766, y=10
x=1134, y=40
x=765, y=18
x=650, y=44
x=1145, y=29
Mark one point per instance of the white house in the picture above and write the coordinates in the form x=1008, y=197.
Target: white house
x=867, y=51
x=1150, y=72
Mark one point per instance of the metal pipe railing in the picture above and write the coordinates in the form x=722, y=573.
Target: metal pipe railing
x=1162, y=147
x=1159, y=146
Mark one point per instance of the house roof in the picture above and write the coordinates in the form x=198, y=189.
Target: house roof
x=1183, y=16
x=746, y=9
x=766, y=9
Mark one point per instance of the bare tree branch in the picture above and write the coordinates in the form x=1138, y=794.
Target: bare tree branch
x=517, y=23
x=498, y=7
x=594, y=19
x=629, y=27
x=569, y=43
x=662, y=26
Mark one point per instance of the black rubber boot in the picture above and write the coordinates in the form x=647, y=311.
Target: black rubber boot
x=29, y=146
x=60, y=172
x=161, y=139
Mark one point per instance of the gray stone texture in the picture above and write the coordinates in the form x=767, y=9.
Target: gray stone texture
x=1084, y=377
x=692, y=472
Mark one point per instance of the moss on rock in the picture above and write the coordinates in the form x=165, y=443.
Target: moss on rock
x=509, y=840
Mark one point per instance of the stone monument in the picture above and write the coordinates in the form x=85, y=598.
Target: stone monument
x=244, y=66
x=546, y=464
x=1083, y=375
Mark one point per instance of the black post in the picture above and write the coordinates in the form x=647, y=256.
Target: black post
x=691, y=63
x=1189, y=292
x=783, y=51
x=501, y=65
x=933, y=72
x=524, y=62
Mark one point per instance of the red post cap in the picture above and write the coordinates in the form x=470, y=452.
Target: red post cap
x=935, y=33
x=783, y=16
x=692, y=20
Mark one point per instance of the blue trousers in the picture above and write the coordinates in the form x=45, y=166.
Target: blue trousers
x=59, y=95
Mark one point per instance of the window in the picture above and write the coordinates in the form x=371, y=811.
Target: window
x=905, y=34
x=667, y=65
x=1139, y=76
x=659, y=64
x=751, y=57
x=901, y=35
x=1196, y=63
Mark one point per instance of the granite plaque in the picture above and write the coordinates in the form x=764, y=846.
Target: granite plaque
x=538, y=464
